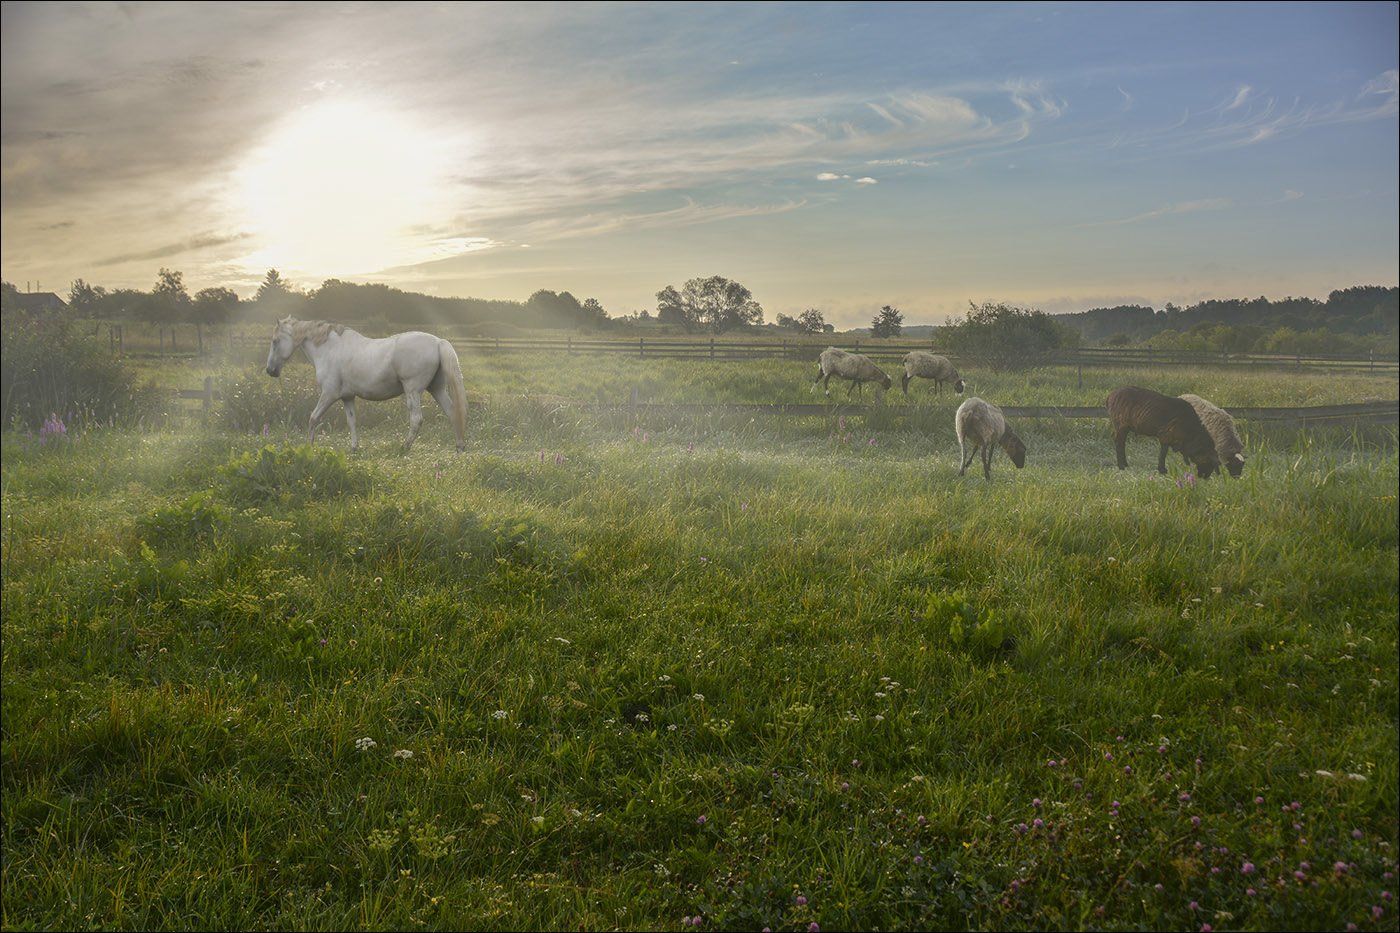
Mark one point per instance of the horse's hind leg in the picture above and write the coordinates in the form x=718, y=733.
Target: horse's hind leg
x=415, y=416
x=439, y=390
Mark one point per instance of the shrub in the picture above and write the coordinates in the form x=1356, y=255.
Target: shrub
x=292, y=476
x=196, y=518
x=1005, y=336
x=48, y=368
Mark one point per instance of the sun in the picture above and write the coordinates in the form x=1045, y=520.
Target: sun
x=343, y=188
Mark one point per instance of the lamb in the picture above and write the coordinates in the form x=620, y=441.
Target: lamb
x=1221, y=428
x=982, y=424
x=928, y=365
x=858, y=369
x=1172, y=421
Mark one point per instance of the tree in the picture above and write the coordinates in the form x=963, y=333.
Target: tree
x=86, y=299
x=715, y=303
x=273, y=288
x=889, y=321
x=169, y=302
x=671, y=308
x=214, y=305
x=1004, y=335
x=593, y=313
x=811, y=321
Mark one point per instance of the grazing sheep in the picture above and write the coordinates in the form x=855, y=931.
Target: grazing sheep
x=928, y=365
x=982, y=425
x=1172, y=421
x=1221, y=428
x=858, y=369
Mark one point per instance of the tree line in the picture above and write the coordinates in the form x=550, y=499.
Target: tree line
x=1356, y=319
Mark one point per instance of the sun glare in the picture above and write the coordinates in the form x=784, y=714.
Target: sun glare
x=343, y=188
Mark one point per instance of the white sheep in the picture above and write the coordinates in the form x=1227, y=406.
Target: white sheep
x=843, y=365
x=1221, y=428
x=928, y=365
x=982, y=425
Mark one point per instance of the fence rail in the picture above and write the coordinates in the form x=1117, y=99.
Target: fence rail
x=152, y=341
x=1380, y=412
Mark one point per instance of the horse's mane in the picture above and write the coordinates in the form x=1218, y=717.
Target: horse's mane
x=315, y=331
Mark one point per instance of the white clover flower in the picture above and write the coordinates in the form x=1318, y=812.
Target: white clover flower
x=403, y=753
x=499, y=714
x=365, y=744
x=698, y=697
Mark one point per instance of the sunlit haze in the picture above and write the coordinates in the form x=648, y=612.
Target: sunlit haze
x=831, y=156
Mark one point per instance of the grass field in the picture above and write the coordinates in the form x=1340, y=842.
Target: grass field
x=683, y=672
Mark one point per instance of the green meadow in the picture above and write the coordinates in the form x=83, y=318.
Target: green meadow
x=698, y=671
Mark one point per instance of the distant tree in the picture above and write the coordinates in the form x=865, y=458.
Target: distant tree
x=828, y=328
x=889, y=322
x=273, y=287
x=86, y=299
x=787, y=322
x=1004, y=335
x=715, y=303
x=671, y=309
x=276, y=297
x=811, y=321
x=593, y=313
x=214, y=305
x=169, y=302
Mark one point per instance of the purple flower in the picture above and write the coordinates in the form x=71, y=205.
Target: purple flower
x=1193, y=906
x=701, y=820
x=1038, y=823
x=1258, y=800
x=919, y=860
x=1247, y=868
x=800, y=901
x=814, y=927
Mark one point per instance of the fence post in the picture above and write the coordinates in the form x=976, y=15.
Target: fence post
x=498, y=342
x=1372, y=367
x=641, y=351
x=712, y=348
x=571, y=344
x=1081, y=375
x=112, y=339
x=208, y=399
x=199, y=336
x=121, y=340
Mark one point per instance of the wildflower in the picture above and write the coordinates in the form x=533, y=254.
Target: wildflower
x=1258, y=800
x=800, y=901
x=499, y=714
x=701, y=820
x=1357, y=834
x=365, y=744
x=1247, y=868
x=1193, y=906
x=1038, y=823
x=1250, y=892
x=1339, y=867
x=1195, y=821
x=815, y=927
x=919, y=860
x=845, y=785
x=403, y=753
x=1035, y=802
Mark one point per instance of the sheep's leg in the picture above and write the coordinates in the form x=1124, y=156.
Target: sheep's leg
x=967, y=459
x=826, y=384
x=987, y=451
x=904, y=383
x=850, y=388
x=1120, y=444
x=1162, y=458
x=350, y=420
x=820, y=374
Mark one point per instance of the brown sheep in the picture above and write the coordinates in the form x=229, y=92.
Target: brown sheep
x=1172, y=421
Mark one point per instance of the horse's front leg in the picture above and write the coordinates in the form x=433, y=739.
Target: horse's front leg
x=415, y=416
x=325, y=401
x=350, y=420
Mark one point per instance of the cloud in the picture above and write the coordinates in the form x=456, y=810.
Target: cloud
x=1241, y=95
x=830, y=176
x=1127, y=101
x=1386, y=85
x=173, y=249
x=867, y=180
x=1183, y=207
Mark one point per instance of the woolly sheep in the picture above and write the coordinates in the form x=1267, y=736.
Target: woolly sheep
x=928, y=365
x=1172, y=421
x=1221, y=428
x=982, y=424
x=858, y=369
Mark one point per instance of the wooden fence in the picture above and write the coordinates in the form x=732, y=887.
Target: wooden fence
x=1384, y=412
x=245, y=343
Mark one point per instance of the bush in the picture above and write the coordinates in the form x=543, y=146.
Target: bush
x=47, y=367
x=1005, y=336
x=292, y=476
x=197, y=518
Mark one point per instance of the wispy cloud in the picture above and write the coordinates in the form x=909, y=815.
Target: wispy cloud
x=174, y=249
x=1183, y=207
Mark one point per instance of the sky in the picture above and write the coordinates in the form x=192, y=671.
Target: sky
x=835, y=156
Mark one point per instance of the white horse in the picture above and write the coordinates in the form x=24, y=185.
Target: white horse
x=350, y=365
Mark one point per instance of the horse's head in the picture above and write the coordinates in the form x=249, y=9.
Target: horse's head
x=283, y=346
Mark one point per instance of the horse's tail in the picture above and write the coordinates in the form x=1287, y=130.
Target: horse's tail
x=451, y=369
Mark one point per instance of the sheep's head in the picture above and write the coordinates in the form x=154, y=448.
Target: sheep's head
x=1207, y=465
x=885, y=381
x=1235, y=465
x=959, y=386
x=1014, y=447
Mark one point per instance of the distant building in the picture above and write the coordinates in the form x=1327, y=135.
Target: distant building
x=39, y=302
